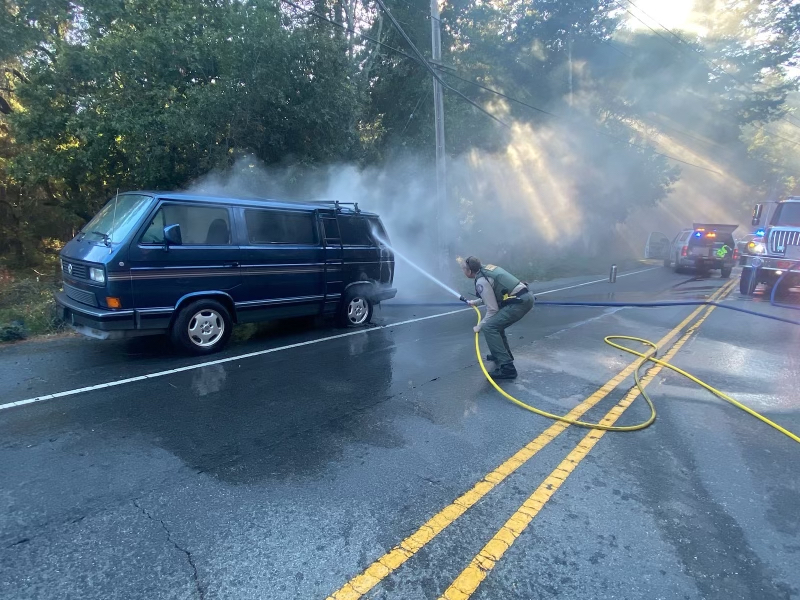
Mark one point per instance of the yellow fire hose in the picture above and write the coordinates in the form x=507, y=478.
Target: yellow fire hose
x=648, y=357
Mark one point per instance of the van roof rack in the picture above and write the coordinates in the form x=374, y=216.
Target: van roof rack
x=338, y=205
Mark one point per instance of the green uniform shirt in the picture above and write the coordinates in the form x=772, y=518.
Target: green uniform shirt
x=502, y=281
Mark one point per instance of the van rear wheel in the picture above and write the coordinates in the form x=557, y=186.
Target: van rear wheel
x=202, y=327
x=357, y=307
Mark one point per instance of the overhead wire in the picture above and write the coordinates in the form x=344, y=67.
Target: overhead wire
x=432, y=71
x=413, y=112
x=419, y=58
x=431, y=68
x=693, y=50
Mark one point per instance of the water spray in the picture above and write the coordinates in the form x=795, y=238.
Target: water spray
x=418, y=268
x=645, y=357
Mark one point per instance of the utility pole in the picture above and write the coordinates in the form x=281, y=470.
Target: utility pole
x=441, y=170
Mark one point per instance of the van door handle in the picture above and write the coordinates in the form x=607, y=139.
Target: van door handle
x=231, y=264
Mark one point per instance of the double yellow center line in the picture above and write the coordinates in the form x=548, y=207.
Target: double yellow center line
x=469, y=579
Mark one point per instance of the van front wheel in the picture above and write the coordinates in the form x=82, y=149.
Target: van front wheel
x=356, y=309
x=202, y=327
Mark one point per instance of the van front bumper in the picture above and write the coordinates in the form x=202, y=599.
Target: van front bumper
x=102, y=319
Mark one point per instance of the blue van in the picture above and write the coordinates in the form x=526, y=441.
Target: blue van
x=193, y=265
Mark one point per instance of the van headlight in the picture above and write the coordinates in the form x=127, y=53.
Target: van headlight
x=98, y=275
x=756, y=247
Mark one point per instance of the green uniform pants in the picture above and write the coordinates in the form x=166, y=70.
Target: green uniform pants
x=494, y=328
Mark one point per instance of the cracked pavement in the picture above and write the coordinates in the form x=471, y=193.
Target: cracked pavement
x=287, y=474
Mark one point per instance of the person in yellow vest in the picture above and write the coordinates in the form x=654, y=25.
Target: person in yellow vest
x=507, y=300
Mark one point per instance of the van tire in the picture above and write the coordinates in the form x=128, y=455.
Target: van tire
x=726, y=272
x=202, y=327
x=357, y=307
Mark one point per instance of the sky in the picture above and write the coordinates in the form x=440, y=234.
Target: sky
x=672, y=14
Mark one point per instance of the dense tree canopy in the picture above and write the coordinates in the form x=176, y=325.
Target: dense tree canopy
x=105, y=94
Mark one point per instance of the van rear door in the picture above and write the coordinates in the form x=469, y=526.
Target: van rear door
x=207, y=260
x=362, y=256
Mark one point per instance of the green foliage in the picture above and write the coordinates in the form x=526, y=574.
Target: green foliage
x=102, y=95
x=27, y=308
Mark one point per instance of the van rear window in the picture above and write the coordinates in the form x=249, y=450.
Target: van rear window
x=280, y=227
x=355, y=231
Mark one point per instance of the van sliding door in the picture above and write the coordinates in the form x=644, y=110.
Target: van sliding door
x=283, y=262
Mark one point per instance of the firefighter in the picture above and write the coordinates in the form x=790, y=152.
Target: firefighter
x=507, y=300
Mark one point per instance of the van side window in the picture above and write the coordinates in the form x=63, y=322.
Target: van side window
x=355, y=231
x=331, y=229
x=280, y=227
x=685, y=235
x=200, y=225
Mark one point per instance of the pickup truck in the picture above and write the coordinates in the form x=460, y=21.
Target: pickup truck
x=703, y=248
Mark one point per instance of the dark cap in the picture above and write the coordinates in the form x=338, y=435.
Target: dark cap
x=473, y=264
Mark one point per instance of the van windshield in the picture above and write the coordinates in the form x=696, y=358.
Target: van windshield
x=108, y=227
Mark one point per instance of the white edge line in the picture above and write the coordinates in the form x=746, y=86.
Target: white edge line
x=595, y=281
x=220, y=361
x=109, y=384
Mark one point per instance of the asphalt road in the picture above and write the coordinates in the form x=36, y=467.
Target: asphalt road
x=305, y=461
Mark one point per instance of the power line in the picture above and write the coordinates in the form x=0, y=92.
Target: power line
x=667, y=40
x=761, y=127
x=613, y=47
x=432, y=71
x=501, y=94
x=413, y=112
x=350, y=29
x=419, y=58
x=694, y=50
x=483, y=87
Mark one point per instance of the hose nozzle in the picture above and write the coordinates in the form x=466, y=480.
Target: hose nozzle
x=464, y=300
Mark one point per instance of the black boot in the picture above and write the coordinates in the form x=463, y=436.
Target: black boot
x=506, y=371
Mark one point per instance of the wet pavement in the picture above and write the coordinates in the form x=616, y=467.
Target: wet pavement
x=288, y=464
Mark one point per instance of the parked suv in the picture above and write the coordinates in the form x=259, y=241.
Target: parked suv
x=703, y=248
x=192, y=266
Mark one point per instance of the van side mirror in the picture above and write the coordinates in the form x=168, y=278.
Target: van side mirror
x=172, y=235
x=757, y=215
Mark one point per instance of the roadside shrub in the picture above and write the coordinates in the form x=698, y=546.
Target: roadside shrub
x=27, y=308
x=13, y=331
